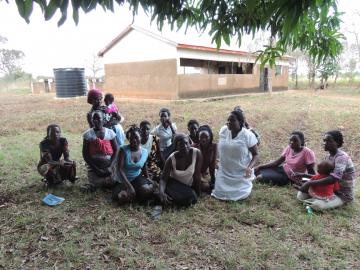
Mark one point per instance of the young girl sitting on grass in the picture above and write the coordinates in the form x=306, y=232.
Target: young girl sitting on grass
x=54, y=169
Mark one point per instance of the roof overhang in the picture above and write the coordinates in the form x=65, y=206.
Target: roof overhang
x=126, y=31
x=182, y=46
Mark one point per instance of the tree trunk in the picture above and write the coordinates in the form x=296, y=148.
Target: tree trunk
x=313, y=79
x=322, y=83
x=336, y=77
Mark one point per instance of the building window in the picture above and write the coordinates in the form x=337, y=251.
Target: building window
x=243, y=68
x=198, y=66
x=278, y=70
x=221, y=70
x=248, y=68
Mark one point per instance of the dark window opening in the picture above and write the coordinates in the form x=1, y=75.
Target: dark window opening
x=222, y=70
x=198, y=66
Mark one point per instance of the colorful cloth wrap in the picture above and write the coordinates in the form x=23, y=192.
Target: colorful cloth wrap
x=112, y=108
x=102, y=147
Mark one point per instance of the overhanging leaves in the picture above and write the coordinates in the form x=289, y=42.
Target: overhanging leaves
x=310, y=25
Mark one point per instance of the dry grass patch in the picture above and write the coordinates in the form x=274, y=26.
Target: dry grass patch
x=269, y=230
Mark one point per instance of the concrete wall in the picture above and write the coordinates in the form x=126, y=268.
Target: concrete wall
x=150, y=79
x=207, y=85
x=280, y=82
x=159, y=80
x=42, y=87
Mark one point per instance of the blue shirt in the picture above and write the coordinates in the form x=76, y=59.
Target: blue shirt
x=132, y=169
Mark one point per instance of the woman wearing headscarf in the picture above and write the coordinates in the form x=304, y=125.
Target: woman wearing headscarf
x=94, y=98
x=238, y=156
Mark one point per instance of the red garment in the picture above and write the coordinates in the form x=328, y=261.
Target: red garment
x=323, y=191
x=100, y=147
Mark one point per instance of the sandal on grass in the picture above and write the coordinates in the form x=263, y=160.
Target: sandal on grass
x=156, y=213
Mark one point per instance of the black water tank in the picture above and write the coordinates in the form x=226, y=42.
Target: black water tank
x=70, y=82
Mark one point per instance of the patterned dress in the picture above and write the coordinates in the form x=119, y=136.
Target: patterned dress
x=153, y=162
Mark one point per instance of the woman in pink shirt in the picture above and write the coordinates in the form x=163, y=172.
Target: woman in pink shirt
x=296, y=158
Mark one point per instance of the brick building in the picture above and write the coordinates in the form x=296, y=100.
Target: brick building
x=140, y=63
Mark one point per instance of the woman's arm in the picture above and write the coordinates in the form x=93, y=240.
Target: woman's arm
x=197, y=173
x=124, y=179
x=163, y=182
x=115, y=148
x=272, y=164
x=66, y=151
x=212, y=164
x=158, y=153
x=45, y=157
x=172, y=128
x=88, y=118
x=255, y=156
x=145, y=170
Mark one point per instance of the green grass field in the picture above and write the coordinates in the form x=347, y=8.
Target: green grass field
x=269, y=230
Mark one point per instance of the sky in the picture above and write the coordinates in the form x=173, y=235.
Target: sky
x=47, y=46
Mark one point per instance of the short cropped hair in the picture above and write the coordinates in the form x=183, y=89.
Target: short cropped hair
x=337, y=136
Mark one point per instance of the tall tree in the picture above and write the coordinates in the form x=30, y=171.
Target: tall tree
x=327, y=69
x=292, y=22
x=10, y=60
x=294, y=65
x=353, y=29
x=351, y=67
x=94, y=65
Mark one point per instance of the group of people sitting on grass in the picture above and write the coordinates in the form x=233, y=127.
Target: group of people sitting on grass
x=166, y=167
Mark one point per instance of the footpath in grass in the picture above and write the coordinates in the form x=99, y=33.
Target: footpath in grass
x=269, y=230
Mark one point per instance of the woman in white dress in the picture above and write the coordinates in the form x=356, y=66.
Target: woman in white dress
x=238, y=155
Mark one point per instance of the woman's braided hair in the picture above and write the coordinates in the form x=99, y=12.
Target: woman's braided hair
x=132, y=130
x=50, y=127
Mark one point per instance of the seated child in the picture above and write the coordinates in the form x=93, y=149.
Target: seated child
x=110, y=105
x=111, y=108
x=113, y=118
x=323, y=192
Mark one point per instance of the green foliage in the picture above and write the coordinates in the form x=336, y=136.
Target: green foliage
x=328, y=68
x=312, y=26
